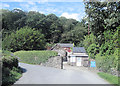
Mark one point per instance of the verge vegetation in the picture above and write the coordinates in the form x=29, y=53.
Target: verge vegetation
x=110, y=78
x=34, y=57
x=11, y=72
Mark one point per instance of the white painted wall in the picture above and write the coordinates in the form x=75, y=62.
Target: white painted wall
x=72, y=59
x=81, y=54
x=78, y=61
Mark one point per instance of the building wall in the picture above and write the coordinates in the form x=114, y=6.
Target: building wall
x=56, y=62
x=80, y=54
x=84, y=61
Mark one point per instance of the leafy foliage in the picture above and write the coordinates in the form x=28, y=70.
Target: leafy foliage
x=89, y=39
x=103, y=41
x=11, y=72
x=24, y=39
x=9, y=76
x=102, y=16
x=10, y=62
x=106, y=55
x=54, y=28
x=74, y=36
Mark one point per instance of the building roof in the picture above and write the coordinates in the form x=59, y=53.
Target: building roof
x=65, y=45
x=79, y=50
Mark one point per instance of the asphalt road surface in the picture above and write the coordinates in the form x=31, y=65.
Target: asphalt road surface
x=36, y=74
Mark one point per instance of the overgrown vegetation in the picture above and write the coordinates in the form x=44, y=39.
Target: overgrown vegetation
x=110, y=78
x=11, y=72
x=103, y=42
x=34, y=57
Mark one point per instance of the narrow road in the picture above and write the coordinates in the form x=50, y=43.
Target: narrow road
x=36, y=74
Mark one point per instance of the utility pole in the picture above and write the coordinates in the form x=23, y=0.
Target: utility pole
x=88, y=28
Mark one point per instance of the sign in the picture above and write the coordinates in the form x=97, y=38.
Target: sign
x=93, y=64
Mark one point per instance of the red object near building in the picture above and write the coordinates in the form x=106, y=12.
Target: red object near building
x=69, y=50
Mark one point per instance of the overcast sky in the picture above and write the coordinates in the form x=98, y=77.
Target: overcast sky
x=75, y=10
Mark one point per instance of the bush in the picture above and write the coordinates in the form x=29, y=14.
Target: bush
x=106, y=63
x=10, y=62
x=25, y=38
x=92, y=50
x=10, y=70
x=89, y=39
x=9, y=76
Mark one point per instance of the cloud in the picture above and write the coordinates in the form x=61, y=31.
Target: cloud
x=16, y=0
x=42, y=0
x=29, y=6
x=41, y=12
x=31, y=3
x=5, y=5
x=25, y=6
x=72, y=15
x=34, y=8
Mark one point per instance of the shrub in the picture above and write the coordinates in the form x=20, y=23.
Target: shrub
x=9, y=76
x=25, y=38
x=89, y=39
x=10, y=70
x=10, y=62
x=106, y=63
x=92, y=50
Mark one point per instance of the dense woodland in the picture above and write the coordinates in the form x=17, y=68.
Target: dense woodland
x=36, y=27
x=34, y=31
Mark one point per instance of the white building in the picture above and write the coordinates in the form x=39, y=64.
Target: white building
x=78, y=57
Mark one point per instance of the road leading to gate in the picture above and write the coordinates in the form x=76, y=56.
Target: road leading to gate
x=36, y=74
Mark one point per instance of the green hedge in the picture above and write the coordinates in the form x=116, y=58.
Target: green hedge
x=35, y=57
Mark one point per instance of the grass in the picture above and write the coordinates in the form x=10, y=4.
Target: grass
x=34, y=57
x=6, y=53
x=110, y=78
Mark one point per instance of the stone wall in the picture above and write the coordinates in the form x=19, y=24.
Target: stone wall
x=55, y=62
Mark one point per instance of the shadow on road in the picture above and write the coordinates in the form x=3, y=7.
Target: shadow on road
x=23, y=70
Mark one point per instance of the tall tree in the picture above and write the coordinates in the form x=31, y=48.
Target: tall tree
x=102, y=16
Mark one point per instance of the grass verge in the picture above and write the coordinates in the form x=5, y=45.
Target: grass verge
x=34, y=57
x=110, y=78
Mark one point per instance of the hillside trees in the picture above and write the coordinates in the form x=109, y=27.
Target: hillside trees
x=55, y=29
x=74, y=36
x=102, y=44
x=24, y=39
